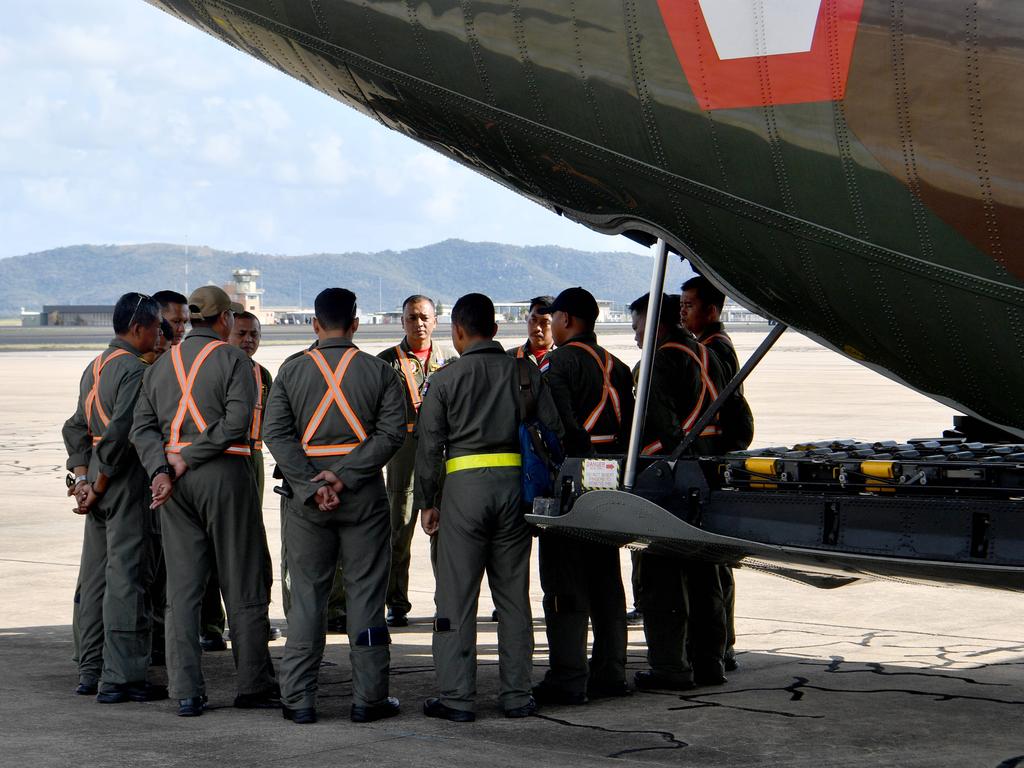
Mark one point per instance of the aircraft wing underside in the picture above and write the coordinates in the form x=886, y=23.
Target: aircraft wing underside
x=852, y=170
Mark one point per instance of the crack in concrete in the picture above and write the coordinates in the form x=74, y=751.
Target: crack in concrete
x=801, y=684
x=878, y=668
x=672, y=741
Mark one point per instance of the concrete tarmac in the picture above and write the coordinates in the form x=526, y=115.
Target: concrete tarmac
x=874, y=674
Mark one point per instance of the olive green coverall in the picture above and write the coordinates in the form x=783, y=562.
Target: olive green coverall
x=212, y=622
x=212, y=518
x=400, y=469
x=470, y=416
x=113, y=618
x=307, y=431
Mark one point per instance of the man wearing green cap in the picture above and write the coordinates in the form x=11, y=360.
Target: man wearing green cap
x=192, y=432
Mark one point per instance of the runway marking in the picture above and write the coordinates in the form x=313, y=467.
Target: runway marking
x=37, y=562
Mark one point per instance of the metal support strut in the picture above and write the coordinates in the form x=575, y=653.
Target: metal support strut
x=643, y=384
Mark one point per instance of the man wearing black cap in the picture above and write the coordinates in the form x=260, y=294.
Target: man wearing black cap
x=593, y=391
x=192, y=425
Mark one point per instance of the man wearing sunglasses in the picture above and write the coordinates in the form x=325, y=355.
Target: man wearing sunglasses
x=109, y=488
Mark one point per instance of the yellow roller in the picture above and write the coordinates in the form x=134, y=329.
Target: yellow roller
x=884, y=470
x=762, y=466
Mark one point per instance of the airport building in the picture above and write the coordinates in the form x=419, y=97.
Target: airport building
x=70, y=315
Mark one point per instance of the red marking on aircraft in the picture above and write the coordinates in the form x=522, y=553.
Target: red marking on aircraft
x=721, y=79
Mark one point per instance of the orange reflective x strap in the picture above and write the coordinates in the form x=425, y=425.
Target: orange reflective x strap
x=335, y=395
x=92, y=400
x=257, y=413
x=187, y=404
x=707, y=386
x=409, y=374
x=713, y=336
x=608, y=394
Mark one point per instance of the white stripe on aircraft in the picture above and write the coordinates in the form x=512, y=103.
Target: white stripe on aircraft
x=744, y=28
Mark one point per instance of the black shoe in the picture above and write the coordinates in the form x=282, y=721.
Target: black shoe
x=635, y=616
x=338, y=626
x=263, y=700
x=494, y=615
x=656, y=681
x=729, y=662
x=608, y=690
x=547, y=695
x=397, y=619
x=212, y=643
x=132, y=692
x=528, y=709
x=434, y=708
x=713, y=677
x=86, y=689
x=366, y=713
x=299, y=716
x=275, y=634
x=191, y=707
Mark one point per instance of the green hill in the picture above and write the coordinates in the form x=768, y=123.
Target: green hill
x=98, y=274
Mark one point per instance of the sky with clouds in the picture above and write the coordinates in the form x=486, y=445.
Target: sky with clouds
x=124, y=125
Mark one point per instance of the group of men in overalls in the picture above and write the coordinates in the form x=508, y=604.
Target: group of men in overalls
x=364, y=444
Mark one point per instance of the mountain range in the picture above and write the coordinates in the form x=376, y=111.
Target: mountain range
x=98, y=274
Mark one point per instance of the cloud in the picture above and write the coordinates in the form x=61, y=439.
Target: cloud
x=329, y=163
x=439, y=182
x=50, y=193
x=222, y=149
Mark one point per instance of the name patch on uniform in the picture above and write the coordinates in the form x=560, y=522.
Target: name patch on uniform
x=600, y=474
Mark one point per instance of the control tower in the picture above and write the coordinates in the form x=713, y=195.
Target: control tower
x=245, y=290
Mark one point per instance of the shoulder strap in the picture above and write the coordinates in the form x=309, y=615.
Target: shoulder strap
x=608, y=392
x=719, y=335
x=409, y=374
x=707, y=386
x=92, y=400
x=186, y=381
x=527, y=398
x=333, y=396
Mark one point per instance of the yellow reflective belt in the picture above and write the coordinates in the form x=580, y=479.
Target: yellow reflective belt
x=482, y=460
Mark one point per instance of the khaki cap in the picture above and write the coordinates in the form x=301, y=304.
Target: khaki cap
x=210, y=301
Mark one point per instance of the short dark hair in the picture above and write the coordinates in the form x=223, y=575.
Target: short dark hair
x=541, y=301
x=669, y=313
x=164, y=298
x=135, y=309
x=474, y=313
x=335, y=309
x=706, y=291
x=247, y=316
x=416, y=298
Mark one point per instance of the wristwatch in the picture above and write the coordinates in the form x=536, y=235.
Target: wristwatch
x=166, y=469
